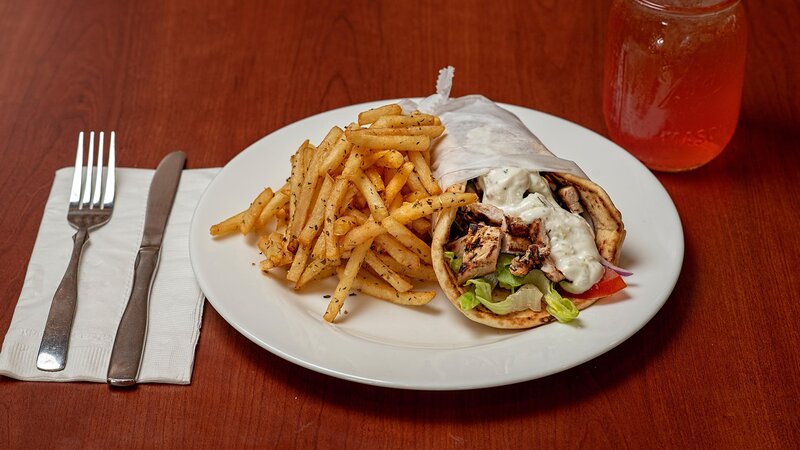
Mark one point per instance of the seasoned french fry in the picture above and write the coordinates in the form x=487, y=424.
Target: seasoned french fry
x=344, y=224
x=329, y=140
x=371, y=195
x=421, y=226
x=359, y=201
x=318, y=250
x=290, y=244
x=407, y=238
x=366, y=232
x=400, y=142
x=397, y=182
x=263, y=244
x=389, y=173
x=415, y=184
x=373, y=114
x=307, y=154
x=314, y=225
x=422, y=273
x=361, y=216
x=398, y=121
x=397, y=250
x=227, y=226
x=271, y=247
x=371, y=156
x=391, y=159
x=298, y=264
x=336, y=155
x=307, y=195
x=274, y=205
x=427, y=206
x=331, y=207
x=346, y=280
x=375, y=178
x=316, y=270
x=296, y=181
x=353, y=163
x=385, y=272
x=266, y=265
x=432, y=131
x=377, y=288
x=281, y=259
x=254, y=211
x=423, y=169
x=396, y=203
x=348, y=199
x=413, y=196
x=281, y=220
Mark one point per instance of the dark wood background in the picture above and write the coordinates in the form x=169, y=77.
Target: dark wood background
x=717, y=367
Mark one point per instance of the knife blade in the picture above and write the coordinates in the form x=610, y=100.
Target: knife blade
x=126, y=355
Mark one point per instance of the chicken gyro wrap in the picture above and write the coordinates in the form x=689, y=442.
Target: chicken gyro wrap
x=543, y=240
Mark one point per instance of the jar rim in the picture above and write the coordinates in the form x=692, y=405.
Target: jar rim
x=668, y=6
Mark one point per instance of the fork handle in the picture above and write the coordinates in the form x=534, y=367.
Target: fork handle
x=55, y=339
x=126, y=356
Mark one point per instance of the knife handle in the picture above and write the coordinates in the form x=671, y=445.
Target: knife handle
x=126, y=356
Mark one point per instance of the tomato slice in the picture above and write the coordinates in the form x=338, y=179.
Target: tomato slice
x=609, y=284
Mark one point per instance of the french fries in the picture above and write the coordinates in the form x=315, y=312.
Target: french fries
x=374, y=287
x=387, y=141
x=408, y=238
x=358, y=206
x=426, y=206
x=385, y=272
x=229, y=225
x=374, y=114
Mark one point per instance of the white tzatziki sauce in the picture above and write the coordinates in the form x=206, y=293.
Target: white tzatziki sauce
x=527, y=195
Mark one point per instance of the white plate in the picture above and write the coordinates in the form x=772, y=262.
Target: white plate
x=432, y=347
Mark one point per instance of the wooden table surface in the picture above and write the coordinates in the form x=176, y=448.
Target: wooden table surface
x=717, y=367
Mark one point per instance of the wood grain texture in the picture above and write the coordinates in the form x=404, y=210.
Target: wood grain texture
x=717, y=367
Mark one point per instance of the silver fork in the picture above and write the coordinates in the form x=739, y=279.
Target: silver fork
x=91, y=201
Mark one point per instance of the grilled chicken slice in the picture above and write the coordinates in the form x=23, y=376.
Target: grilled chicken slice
x=539, y=237
x=483, y=213
x=538, y=234
x=551, y=271
x=457, y=246
x=514, y=245
x=569, y=195
x=521, y=265
x=481, y=249
x=516, y=227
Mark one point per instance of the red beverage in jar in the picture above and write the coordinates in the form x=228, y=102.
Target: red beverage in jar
x=673, y=79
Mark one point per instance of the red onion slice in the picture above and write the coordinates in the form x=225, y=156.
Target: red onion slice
x=622, y=272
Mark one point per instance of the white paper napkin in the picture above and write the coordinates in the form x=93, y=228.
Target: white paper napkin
x=104, y=284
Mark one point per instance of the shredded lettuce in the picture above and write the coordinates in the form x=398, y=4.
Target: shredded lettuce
x=453, y=260
x=561, y=308
x=480, y=292
x=527, y=297
x=505, y=278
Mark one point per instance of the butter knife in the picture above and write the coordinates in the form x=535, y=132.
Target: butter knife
x=126, y=356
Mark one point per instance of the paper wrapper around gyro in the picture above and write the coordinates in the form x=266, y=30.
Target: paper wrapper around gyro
x=481, y=136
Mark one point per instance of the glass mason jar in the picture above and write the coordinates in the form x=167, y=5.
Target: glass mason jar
x=673, y=79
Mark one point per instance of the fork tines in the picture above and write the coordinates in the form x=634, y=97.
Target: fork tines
x=88, y=187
